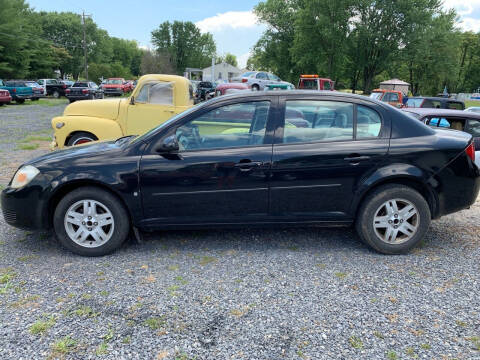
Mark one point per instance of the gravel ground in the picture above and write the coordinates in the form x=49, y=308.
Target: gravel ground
x=304, y=293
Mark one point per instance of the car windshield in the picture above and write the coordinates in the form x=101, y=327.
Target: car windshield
x=205, y=84
x=376, y=95
x=414, y=102
x=80, y=84
x=33, y=84
x=115, y=82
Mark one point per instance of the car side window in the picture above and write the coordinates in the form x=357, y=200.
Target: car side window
x=228, y=126
x=438, y=122
x=369, y=123
x=40, y=82
x=326, y=85
x=311, y=120
x=473, y=127
x=433, y=104
x=455, y=106
x=159, y=92
x=390, y=97
x=262, y=76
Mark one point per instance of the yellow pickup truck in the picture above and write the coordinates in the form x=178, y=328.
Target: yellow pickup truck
x=155, y=99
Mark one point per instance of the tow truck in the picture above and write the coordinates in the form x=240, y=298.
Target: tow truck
x=314, y=82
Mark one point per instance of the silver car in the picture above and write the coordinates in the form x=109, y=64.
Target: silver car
x=257, y=80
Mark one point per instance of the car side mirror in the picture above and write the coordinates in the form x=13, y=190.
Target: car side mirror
x=168, y=145
x=132, y=100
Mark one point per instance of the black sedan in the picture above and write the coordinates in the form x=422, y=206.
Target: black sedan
x=84, y=90
x=238, y=160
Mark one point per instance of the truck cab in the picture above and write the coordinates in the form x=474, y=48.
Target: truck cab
x=155, y=99
x=393, y=97
x=314, y=82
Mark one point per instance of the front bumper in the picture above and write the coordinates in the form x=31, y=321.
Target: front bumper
x=24, y=208
x=117, y=92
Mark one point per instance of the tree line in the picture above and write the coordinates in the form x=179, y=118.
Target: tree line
x=35, y=44
x=359, y=43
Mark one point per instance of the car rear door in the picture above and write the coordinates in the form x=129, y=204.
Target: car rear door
x=220, y=174
x=317, y=169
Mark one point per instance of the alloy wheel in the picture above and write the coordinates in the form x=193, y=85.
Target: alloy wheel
x=396, y=221
x=89, y=223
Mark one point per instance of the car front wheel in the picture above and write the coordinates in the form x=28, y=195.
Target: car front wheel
x=91, y=222
x=80, y=138
x=393, y=219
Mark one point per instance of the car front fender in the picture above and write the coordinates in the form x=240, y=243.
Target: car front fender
x=103, y=129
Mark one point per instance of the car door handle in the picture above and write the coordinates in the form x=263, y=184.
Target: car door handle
x=356, y=159
x=248, y=165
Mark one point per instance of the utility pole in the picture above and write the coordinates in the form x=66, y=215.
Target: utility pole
x=85, y=44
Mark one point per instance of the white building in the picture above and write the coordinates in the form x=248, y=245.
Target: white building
x=223, y=71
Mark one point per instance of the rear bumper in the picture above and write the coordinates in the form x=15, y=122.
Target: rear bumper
x=23, y=97
x=5, y=99
x=78, y=96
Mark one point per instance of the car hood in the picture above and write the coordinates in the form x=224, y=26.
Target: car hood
x=106, y=109
x=79, y=151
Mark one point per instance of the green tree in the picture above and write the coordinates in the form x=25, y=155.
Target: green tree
x=185, y=45
x=228, y=58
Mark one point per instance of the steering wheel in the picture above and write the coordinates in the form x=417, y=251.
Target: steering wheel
x=189, y=137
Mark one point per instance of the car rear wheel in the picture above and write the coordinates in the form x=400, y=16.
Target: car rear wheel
x=393, y=219
x=81, y=138
x=255, y=87
x=91, y=222
x=56, y=94
x=20, y=101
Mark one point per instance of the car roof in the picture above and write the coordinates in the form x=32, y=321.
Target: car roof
x=434, y=98
x=442, y=112
x=305, y=93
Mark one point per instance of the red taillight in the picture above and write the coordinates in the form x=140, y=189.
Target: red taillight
x=67, y=91
x=14, y=90
x=470, y=150
x=64, y=86
x=85, y=91
x=244, y=80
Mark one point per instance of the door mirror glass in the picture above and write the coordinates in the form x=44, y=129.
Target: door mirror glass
x=168, y=145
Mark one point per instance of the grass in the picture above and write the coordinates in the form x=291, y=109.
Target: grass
x=6, y=275
x=101, y=349
x=341, y=275
x=64, y=345
x=155, y=323
x=470, y=103
x=24, y=146
x=392, y=355
x=207, y=260
x=425, y=346
x=47, y=102
x=355, y=342
x=84, y=311
x=40, y=327
x=475, y=340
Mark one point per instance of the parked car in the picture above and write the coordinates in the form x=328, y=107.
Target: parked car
x=230, y=88
x=84, y=90
x=314, y=82
x=276, y=87
x=434, y=102
x=204, y=89
x=468, y=122
x=155, y=100
x=19, y=90
x=393, y=97
x=37, y=90
x=5, y=97
x=359, y=162
x=117, y=87
x=257, y=80
x=474, y=109
x=53, y=87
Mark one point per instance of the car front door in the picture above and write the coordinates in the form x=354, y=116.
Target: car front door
x=262, y=80
x=317, y=167
x=220, y=173
x=152, y=105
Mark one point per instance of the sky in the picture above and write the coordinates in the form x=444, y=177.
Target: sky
x=232, y=22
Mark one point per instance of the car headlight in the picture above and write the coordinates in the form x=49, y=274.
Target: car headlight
x=23, y=176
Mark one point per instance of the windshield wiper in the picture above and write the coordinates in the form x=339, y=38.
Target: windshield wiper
x=123, y=138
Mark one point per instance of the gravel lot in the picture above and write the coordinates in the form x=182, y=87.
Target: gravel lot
x=303, y=293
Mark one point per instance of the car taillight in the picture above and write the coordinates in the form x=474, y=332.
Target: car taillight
x=470, y=150
x=84, y=91
x=67, y=91
x=14, y=90
x=244, y=80
x=64, y=86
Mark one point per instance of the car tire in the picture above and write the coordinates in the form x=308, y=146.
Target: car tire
x=56, y=94
x=255, y=87
x=91, y=97
x=1, y=104
x=35, y=99
x=71, y=101
x=383, y=225
x=81, y=138
x=20, y=101
x=105, y=208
